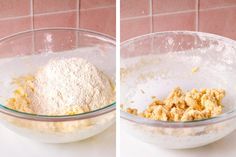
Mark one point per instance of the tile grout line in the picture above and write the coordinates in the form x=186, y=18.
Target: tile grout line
x=31, y=14
x=197, y=15
x=127, y=18
x=77, y=13
x=186, y=11
x=176, y=12
x=161, y=14
x=152, y=23
x=150, y=9
x=32, y=23
x=41, y=14
x=14, y=18
x=55, y=12
x=133, y=18
x=77, y=21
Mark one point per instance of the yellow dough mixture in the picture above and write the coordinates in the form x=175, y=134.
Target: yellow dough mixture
x=20, y=100
x=181, y=106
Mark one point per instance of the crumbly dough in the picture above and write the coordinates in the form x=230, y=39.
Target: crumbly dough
x=181, y=106
x=20, y=100
x=195, y=69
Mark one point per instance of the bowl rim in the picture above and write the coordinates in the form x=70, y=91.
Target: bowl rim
x=111, y=38
x=58, y=118
x=198, y=33
x=179, y=124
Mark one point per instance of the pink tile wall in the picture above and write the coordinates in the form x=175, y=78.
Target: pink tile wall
x=168, y=6
x=218, y=17
x=135, y=27
x=45, y=6
x=14, y=16
x=89, y=4
x=156, y=15
x=208, y=4
x=11, y=26
x=54, y=13
x=134, y=8
x=136, y=18
x=13, y=8
x=98, y=15
x=146, y=16
x=64, y=19
x=180, y=21
x=22, y=15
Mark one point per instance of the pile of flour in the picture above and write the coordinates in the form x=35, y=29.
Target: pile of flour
x=70, y=83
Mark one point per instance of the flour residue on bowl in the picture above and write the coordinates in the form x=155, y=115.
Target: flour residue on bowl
x=158, y=74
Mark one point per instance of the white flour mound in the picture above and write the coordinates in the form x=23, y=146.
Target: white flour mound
x=70, y=83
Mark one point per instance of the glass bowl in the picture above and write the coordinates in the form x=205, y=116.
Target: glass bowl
x=154, y=64
x=24, y=52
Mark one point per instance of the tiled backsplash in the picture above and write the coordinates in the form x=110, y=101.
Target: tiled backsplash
x=99, y=15
x=137, y=16
x=146, y=16
x=22, y=15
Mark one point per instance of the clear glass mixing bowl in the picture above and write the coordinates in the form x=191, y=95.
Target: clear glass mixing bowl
x=19, y=55
x=165, y=59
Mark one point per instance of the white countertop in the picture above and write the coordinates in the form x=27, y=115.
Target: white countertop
x=12, y=145
x=130, y=146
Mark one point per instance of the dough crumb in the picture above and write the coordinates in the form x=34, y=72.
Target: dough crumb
x=195, y=69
